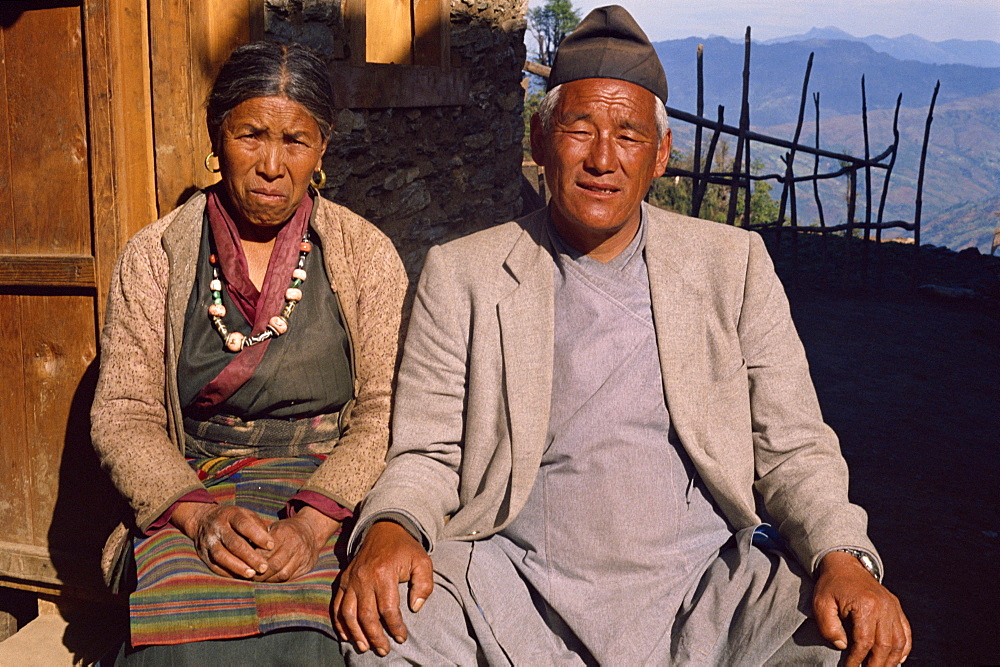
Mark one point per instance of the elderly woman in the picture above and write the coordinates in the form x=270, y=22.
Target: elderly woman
x=244, y=395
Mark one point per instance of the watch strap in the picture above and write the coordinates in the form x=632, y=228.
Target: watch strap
x=867, y=561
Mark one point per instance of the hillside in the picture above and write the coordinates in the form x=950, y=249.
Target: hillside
x=776, y=73
x=963, y=164
x=962, y=171
x=972, y=224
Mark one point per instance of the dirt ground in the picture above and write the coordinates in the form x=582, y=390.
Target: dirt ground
x=912, y=386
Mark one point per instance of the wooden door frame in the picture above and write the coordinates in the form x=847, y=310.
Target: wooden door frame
x=122, y=164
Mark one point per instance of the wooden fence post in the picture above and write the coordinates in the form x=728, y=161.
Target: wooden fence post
x=741, y=134
x=697, y=185
x=919, y=204
x=740, y=177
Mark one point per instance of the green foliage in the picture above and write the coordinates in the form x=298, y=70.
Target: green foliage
x=531, y=102
x=674, y=193
x=548, y=24
x=763, y=209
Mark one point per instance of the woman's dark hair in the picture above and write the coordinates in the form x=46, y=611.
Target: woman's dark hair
x=266, y=69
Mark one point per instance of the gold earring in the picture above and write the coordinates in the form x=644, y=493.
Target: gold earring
x=322, y=179
x=208, y=163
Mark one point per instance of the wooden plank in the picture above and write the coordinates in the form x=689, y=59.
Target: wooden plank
x=230, y=24
x=218, y=27
x=119, y=129
x=72, y=499
x=7, y=243
x=64, y=592
x=357, y=30
x=431, y=32
x=30, y=563
x=49, y=173
x=16, y=519
x=53, y=489
x=25, y=585
x=190, y=41
x=173, y=99
x=84, y=508
x=108, y=237
x=389, y=32
x=47, y=124
x=132, y=125
x=378, y=86
x=58, y=349
x=47, y=270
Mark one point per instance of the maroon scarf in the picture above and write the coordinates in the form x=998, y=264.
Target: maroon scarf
x=257, y=307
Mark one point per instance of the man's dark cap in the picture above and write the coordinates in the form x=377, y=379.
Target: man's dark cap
x=609, y=44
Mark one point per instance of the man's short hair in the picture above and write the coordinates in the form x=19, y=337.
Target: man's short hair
x=551, y=100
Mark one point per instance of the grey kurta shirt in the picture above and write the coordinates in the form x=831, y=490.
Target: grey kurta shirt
x=627, y=557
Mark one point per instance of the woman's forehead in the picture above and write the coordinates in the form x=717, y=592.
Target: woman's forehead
x=272, y=111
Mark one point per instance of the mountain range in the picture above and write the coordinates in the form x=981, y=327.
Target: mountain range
x=980, y=53
x=961, y=197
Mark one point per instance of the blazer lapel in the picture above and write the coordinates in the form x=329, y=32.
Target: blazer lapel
x=526, y=318
x=679, y=319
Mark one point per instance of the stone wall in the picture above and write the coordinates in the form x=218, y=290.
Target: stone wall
x=425, y=175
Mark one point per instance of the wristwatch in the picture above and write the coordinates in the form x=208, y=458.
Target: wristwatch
x=866, y=560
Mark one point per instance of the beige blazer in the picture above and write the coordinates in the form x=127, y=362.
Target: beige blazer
x=474, y=388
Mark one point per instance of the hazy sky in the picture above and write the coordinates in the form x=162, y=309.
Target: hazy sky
x=935, y=20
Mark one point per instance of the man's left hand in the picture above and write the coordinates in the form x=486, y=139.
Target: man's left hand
x=880, y=633
x=297, y=543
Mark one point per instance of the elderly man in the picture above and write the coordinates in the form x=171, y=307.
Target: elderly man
x=599, y=405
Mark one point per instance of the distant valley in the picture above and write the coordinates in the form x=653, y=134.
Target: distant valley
x=961, y=193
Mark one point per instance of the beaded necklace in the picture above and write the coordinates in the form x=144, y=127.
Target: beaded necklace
x=277, y=325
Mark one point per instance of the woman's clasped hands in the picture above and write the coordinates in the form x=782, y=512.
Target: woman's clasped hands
x=235, y=542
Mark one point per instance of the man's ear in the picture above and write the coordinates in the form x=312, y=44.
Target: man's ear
x=537, y=140
x=663, y=153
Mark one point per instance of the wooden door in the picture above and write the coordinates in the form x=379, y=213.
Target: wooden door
x=75, y=181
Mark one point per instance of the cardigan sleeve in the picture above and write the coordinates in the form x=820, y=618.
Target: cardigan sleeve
x=129, y=416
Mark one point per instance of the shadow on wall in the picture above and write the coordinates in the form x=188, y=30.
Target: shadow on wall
x=86, y=510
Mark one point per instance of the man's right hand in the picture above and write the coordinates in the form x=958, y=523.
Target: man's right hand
x=368, y=595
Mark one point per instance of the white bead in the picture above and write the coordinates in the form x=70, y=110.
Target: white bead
x=234, y=341
x=279, y=324
x=215, y=285
x=293, y=294
x=217, y=310
x=300, y=274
